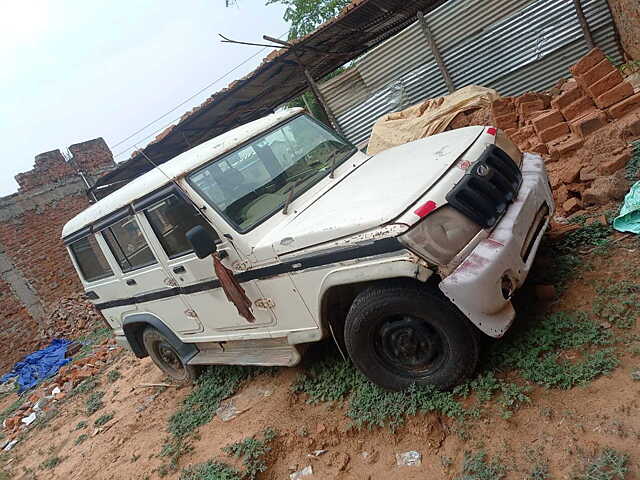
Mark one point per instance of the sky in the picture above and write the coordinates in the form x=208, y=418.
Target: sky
x=74, y=70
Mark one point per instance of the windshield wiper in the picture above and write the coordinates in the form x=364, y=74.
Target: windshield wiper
x=285, y=209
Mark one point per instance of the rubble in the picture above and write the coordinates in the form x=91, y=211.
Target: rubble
x=71, y=317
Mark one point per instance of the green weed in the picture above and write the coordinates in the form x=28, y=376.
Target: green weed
x=618, y=303
x=11, y=409
x=540, y=472
x=200, y=406
x=81, y=439
x=632, y=169
x=103, y=420
x=94, y=403
x=609, y=465
x=477, y=467
x=93, y=338
x=252, y=451
x=81, y=425
x=210, y=471
x=50, y=463
x=85, y=386
x=114, y=375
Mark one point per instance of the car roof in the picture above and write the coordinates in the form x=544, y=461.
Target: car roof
x=174, y=169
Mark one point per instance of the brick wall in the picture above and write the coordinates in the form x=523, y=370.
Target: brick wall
x=35, y=269
x=626, y=14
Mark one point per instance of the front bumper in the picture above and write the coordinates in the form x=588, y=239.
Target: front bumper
x=477, y=285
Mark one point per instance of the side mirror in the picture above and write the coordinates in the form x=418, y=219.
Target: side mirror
x=202, y=242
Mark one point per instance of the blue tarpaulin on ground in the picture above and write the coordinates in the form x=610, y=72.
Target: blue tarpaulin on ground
x=39, y=365
x=629, y=218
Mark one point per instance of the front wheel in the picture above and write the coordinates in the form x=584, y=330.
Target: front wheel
x=403, y=335
x=166, y=357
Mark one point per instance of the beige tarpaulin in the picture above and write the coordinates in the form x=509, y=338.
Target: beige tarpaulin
x=427, y=118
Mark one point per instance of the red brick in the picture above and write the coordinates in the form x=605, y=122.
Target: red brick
x=570, y=173
x=503, y=105
x=588, y=124
x=525, y=109
x=605, y=84
x=572, y=205
x=617, y=94
x=627, y=105
x=540, y=148
x=587, y=62
x=573, y=143
x=601, y=70
x=508, y=120
x=547, y=119
x=578, y=108
x=554, y=132
x=615, y=164
x=568, y=97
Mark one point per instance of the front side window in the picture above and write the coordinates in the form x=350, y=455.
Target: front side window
x=252, y=183
x=128, y=245
x=171, y=219
x=90, y=259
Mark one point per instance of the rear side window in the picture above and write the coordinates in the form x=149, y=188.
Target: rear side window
x=90, y=259
x=128, y=245
x=171, y=219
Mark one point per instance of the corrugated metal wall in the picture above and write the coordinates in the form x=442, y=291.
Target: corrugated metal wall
x=512, y=46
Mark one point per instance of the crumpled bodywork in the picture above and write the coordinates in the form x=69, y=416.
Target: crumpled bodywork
x=476, y=285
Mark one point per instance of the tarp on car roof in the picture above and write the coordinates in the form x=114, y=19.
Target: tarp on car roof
x=360, y=26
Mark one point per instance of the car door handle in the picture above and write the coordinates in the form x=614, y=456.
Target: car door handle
x=131, y=282
x=179, y=269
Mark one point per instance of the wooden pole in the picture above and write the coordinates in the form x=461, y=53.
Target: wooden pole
x=436, y=53
x=322, y=101
x=584, y=25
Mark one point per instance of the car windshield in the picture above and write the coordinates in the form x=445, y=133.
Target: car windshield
x=253, y=182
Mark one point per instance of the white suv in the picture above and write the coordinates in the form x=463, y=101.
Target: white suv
x=403, y=257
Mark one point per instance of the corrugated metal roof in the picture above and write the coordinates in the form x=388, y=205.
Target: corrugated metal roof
x=512, y=46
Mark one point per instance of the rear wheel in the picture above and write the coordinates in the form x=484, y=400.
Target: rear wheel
x=401, y=335
x=166, y=358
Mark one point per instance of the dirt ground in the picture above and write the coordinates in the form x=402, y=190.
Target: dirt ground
x=560, y=426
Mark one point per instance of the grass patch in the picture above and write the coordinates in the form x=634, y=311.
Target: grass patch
x=94, y=403
x=50, y=463
x=253, y=452
x=114, y=375
x=81, y=425
x=200, y=406
x=86, y=386
x=618, y=303
x=609, y=465
x=210, y=471
x=477, y=467
x=11, y=409
x=632, y=169
x=88, y=341
x=104, y=419
x=81, y=439
x=539, y=354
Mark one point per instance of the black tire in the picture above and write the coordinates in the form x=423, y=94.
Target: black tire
x=403, y=335
x=166, y=358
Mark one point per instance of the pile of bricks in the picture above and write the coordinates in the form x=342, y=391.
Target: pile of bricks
x=557, y=127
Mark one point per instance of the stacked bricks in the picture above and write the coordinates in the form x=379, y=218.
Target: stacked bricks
x=603, y=83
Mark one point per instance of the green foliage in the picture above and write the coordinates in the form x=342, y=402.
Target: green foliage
x=252, y=451
x=88, y=341
x=632, y=169
x=85, y=386
x=210, y=471
x=81, y=439
x=305, y=15
x=477, y=467
x=114, y=375
x=94, y=403
x=593, y=235
x=540, y=472
x=609, y=465
x=536, y=352
x=104, y=419
x=50, y=463
x=618, y=303
x=81, y=425
x=200, y=406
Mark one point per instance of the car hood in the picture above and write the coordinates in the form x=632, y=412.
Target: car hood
x=375, y=193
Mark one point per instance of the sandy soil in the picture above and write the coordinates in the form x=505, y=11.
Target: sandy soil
x=561, y=426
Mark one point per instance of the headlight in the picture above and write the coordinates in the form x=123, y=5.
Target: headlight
x=504, y=143
x=441, y=235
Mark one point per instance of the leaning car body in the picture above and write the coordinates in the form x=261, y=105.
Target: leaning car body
x=359, y=227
